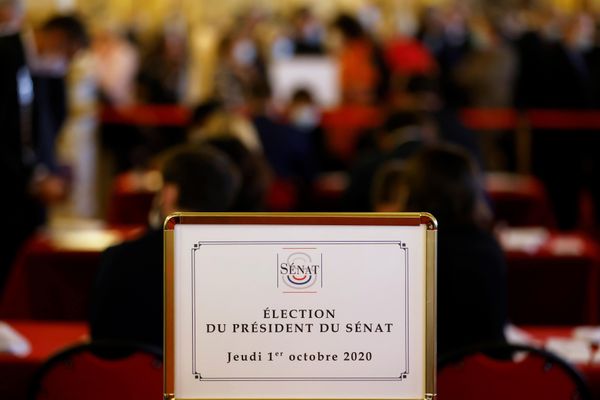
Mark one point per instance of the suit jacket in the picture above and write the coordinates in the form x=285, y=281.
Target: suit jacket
x=12, y=165
x=23, y=212
x=287, y=149
x=49, y=113
x=127, y=300
x=472, y=292
x=568, y=79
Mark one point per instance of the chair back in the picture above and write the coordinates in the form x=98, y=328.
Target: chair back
x=513, y=372
x=131, y=198
x=102, y=370
x=519, y=200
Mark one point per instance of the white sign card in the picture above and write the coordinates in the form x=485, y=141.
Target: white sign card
x=319, y=75
x=280, y=307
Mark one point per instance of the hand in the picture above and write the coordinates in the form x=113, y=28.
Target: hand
x=50, y=189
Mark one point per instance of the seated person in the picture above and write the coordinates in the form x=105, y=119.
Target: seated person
x=471, y=278
x=212, y=120
x=254, y=173
x=127, y=300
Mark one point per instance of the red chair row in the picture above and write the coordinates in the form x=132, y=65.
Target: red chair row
x=64, y=365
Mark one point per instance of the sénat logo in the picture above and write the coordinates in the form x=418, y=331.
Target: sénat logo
x=300, y=270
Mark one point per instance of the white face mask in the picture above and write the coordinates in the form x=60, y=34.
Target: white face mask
x=305, y=117
x=282, y=48
x=244, y=52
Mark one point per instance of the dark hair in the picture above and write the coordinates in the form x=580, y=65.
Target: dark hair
x=387, y=184
x=302, y=94
x=206, y=178
x=252, y=168
x=349, y=26
x=443, y=180
x=72, y=27
x=302, y=12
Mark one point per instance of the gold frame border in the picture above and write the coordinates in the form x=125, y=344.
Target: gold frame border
x=375, y=219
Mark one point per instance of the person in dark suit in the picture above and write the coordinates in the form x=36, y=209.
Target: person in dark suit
x=127, y=300
x=50, y=52
x=15, y=102
x=472, y=292
x=566, y=159
x=30, y=118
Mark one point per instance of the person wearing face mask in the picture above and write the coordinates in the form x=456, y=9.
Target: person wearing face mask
x=127, y=298
x=566, y=160
x=50, y=49
x=308, y=33
x=239, y=69
x=28, y=120
x=288, y=150
x=471, y=280
x=304, y=114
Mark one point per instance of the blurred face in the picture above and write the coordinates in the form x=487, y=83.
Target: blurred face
x=52, y=54
x=455, y=27
x=482, y=34
x=55, y=43
x=164, y=204
x=168, y=199
x=305, y=115
x=11, y=18
x=581, y=33
x=335, y=41
x=244, y=52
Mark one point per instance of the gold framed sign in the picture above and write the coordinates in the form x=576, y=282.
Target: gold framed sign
x=300, y=306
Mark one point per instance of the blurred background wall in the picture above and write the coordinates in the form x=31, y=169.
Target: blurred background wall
x=150, y=13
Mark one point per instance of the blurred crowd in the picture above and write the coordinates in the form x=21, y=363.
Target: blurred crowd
x=398, y=145
x=399, y=87
x=524, y=57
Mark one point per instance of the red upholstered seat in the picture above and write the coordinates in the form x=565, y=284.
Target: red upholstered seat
x=519, y=200
x=131, y=198
x=529, y=374
x=79, y=373
x=343, y=126
x=53, y=274
x=554, y=282
x=282, y=195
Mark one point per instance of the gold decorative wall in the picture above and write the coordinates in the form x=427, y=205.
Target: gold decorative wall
x=151, y=13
